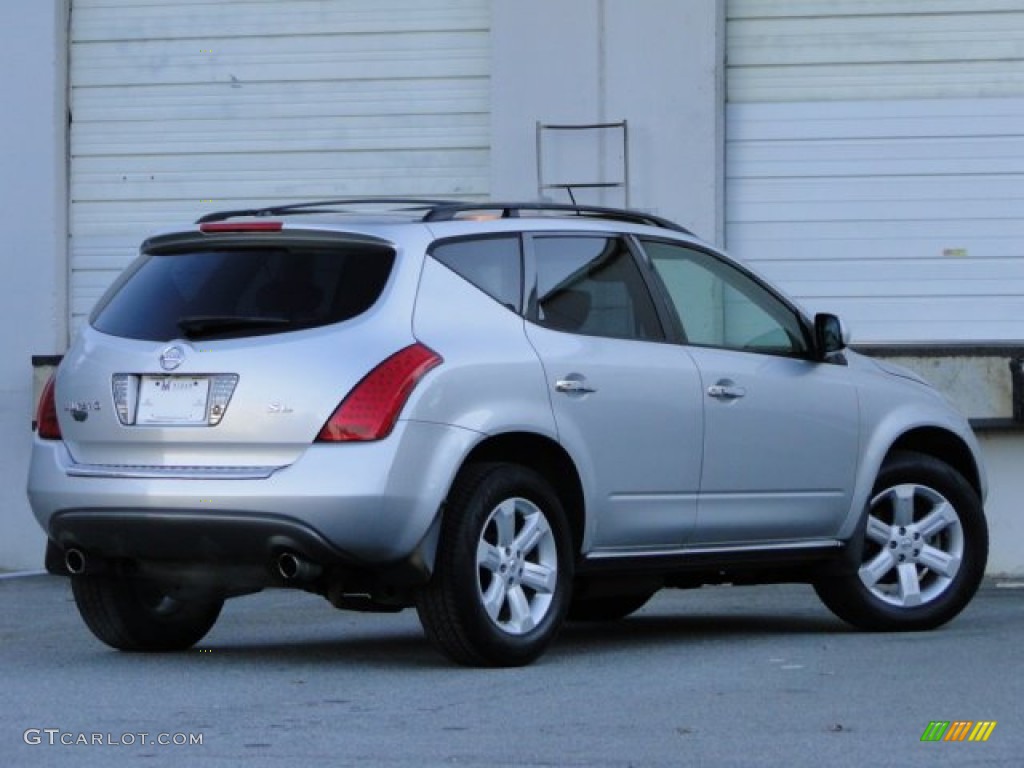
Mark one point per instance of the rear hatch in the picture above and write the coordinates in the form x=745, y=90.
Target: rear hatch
x=229, y=349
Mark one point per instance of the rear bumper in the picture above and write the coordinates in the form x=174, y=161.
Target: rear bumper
x=210, y=538
x=368, y=504
x=233, y=553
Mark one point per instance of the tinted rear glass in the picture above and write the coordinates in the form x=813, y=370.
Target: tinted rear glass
x=227, y=293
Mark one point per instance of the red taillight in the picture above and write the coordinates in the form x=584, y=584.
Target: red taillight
x=240, y=226
x=47, y=425
x=371, y=409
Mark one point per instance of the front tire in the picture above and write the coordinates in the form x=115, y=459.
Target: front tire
x=138, y=615
x=501, y=583
x=925, y=545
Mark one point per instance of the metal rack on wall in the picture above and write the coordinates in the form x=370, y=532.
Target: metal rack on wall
x=620, y=182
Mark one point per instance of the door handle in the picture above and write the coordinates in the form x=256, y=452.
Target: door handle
x=573, y=386
x=726, y=391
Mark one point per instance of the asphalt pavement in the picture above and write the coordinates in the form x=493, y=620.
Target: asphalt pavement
x=722, y=676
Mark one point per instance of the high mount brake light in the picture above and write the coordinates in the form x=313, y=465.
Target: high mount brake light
x=47, y=426
x=241, y=226
x=370, y=410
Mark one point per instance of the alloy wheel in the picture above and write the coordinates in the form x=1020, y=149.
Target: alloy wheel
x=914, y=546
x=517, y=566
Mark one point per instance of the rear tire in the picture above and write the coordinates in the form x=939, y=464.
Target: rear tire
x=504, y=565
x=925, y=545
x=137, y=615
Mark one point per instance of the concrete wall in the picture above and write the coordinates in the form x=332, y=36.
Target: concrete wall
x=1004, y=456
x=657, y=64
x=33, y=218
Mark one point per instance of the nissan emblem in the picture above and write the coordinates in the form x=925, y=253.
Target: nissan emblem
x=172, y=357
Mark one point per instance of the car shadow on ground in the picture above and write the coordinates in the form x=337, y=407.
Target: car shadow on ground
x=406, y=646
x=661, y=629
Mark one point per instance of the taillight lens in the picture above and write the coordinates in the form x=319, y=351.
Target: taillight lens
x=370, y=411
x=47, y=426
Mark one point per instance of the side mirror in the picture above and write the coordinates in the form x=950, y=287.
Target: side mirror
x=829, y=335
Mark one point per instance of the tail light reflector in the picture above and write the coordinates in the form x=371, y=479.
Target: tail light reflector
x=126, y=390
x=47, y=426
x=370, y=411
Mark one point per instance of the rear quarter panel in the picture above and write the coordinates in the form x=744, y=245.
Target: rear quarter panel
x=491, y=380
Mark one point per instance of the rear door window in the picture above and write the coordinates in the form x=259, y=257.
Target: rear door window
x=593, y=286
x=244, y=291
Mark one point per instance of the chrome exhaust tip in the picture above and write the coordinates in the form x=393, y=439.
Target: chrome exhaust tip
x=74, y=561
x=294, y=568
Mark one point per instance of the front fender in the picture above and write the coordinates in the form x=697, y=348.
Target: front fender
x=912, y=425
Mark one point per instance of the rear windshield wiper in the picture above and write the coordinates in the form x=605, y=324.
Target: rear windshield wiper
x=196, y=326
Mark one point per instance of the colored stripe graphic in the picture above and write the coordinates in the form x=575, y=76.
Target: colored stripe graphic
x=958, y=730
x=982, y=730
x=935, y=731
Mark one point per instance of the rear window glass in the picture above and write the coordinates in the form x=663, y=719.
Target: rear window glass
x=233, y=292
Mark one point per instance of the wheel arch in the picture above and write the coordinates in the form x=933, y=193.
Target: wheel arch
x=939, y=441
x=945, y=446
x=550, y=460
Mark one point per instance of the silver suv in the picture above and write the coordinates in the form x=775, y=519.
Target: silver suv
x=505, y=415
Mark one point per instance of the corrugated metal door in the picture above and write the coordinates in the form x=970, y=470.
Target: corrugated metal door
x=875, y=160
x=186, y=106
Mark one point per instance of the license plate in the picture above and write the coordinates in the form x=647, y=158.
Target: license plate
x=173, y=400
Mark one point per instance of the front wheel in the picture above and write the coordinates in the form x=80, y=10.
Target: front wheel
x=501, y=583
x=139, y=615
x=925, y=545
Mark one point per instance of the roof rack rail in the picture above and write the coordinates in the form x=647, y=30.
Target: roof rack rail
x=450, y=211
x=321, y=206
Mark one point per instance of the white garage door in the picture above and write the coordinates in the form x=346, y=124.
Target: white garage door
x=875, y=161
x=182, y=107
